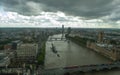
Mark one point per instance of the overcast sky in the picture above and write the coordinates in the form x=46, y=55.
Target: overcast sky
x=55, y=13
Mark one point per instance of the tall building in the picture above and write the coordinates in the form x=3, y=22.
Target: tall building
x=100, y=37
x=62, y=30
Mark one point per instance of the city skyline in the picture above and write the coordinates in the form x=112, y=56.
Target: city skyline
x=57, y=51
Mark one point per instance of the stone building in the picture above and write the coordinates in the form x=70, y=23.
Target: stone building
x=27, y=52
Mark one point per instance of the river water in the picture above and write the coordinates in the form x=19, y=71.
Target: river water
x=71, y=54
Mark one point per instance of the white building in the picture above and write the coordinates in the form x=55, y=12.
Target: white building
x=27, y=52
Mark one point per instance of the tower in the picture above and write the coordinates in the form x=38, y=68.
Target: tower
x=62, y=30
x=100, y=37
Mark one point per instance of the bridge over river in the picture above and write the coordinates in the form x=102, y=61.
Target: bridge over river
x=84, y=68
x=72, y=55
x=57, y=39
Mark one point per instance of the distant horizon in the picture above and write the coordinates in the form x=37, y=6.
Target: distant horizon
x=59, y=27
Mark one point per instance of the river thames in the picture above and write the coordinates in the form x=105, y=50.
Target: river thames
x=71, y=54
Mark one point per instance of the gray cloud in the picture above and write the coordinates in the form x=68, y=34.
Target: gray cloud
x=85, y=8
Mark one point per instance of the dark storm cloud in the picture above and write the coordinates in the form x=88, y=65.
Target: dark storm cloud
x=84, y=8
x=14, y=5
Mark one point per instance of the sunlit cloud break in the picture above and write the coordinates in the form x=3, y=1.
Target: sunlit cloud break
x=48, y=19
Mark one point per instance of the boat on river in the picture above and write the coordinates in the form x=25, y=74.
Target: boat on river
x=53, y=48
